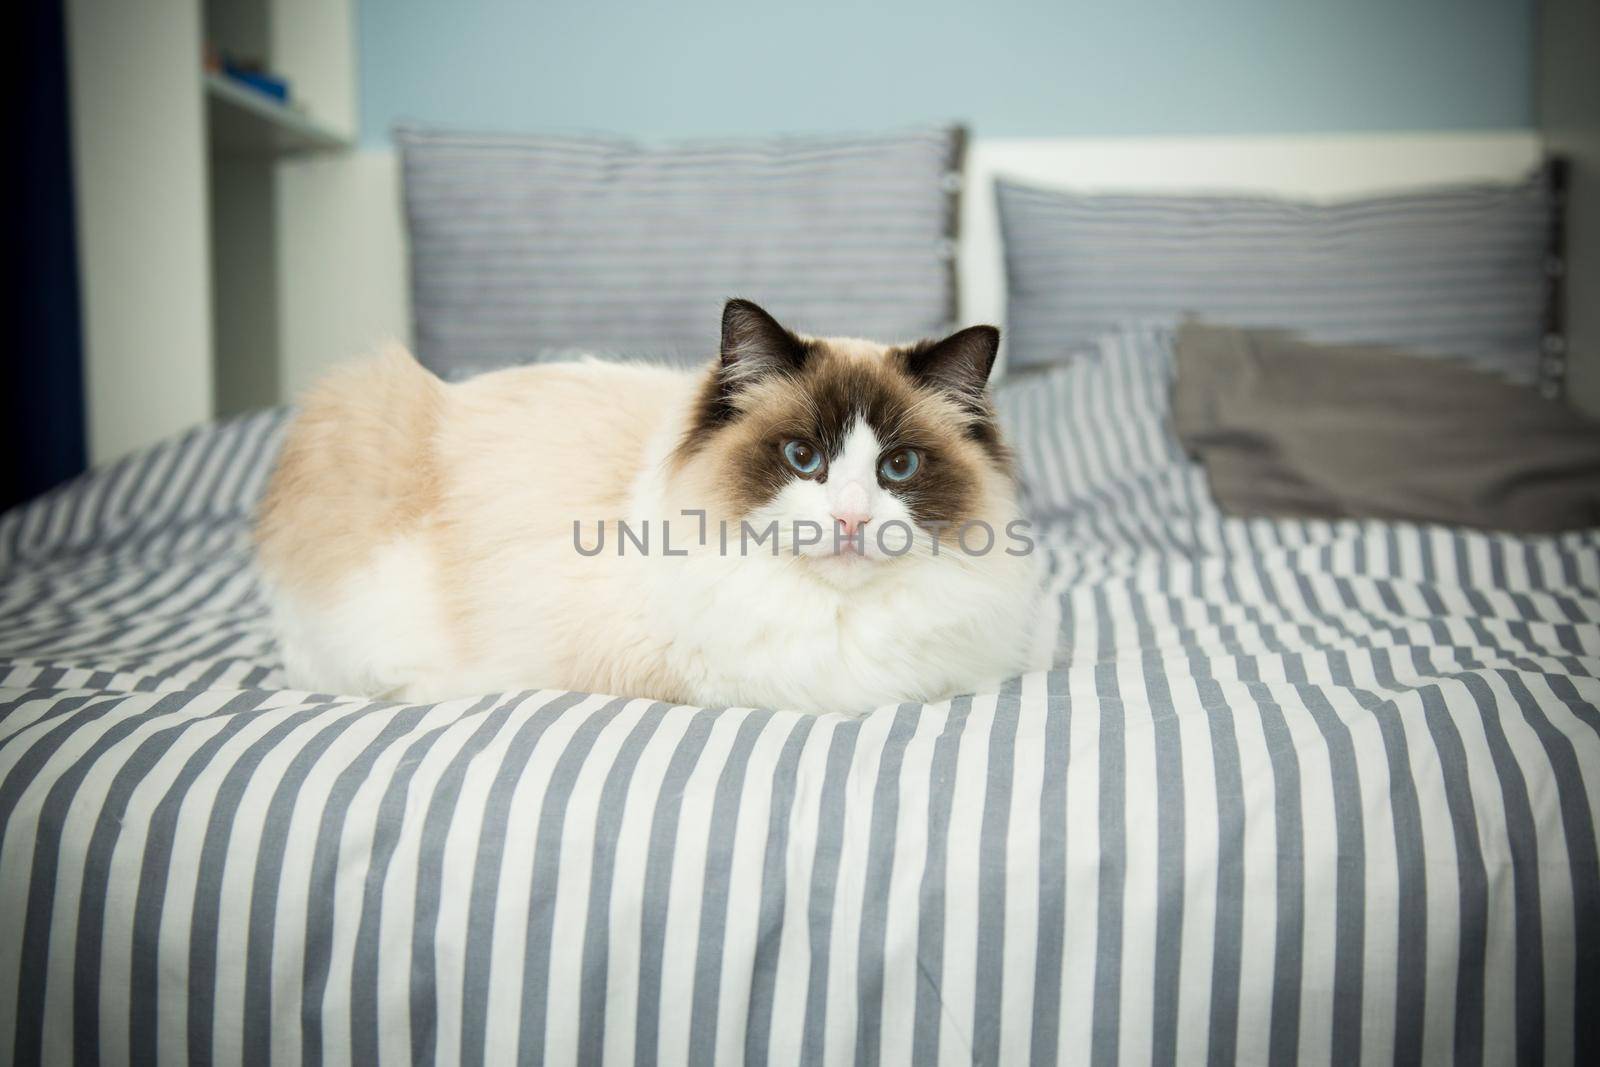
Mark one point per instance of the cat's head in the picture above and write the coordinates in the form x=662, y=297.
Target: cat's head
x=878, y=447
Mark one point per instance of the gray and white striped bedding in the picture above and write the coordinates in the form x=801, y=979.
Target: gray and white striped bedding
x=1453, y=270
x=524, y=246
x=1295, y=790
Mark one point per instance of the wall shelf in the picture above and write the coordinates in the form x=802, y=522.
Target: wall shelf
x=256, y=146
x=245, y=122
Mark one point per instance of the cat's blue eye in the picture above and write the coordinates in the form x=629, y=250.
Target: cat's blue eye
x=900, y=465
x=802, y=457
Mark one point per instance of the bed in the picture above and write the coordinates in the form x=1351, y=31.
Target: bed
x=1323, y=791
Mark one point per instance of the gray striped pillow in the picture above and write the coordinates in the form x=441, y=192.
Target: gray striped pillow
x=1455, y=271
x=525, y=245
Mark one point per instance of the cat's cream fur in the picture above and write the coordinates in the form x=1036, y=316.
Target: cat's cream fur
x=417, y=539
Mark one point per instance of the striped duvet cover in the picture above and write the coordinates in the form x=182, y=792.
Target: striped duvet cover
x=1317, y=791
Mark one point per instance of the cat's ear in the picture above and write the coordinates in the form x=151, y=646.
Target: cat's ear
x=959, y=364
x=755, y=345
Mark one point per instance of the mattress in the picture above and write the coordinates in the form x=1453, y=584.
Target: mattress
x=1309, y=790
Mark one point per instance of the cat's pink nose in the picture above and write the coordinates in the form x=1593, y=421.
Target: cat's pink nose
x=850, y=522
x=851, y=509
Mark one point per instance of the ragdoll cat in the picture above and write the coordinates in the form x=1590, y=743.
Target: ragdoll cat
x=422, y=540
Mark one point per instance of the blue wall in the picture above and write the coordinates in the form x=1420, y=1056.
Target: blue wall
x=1007, y=67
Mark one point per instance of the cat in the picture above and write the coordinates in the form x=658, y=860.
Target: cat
x=800, y=525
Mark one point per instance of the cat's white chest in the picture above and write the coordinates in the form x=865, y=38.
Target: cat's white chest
x=764, y=633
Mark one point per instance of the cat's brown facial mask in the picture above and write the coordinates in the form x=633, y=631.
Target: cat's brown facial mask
x=916, y=420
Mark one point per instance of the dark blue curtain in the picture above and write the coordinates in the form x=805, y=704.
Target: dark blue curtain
x=42, y=437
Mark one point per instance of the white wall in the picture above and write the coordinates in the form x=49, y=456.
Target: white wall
x=138, y=138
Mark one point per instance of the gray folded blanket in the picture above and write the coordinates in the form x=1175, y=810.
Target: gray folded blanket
x=1290, y=429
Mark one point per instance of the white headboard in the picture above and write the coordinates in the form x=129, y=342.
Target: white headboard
x=342, y=274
